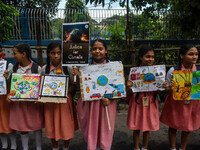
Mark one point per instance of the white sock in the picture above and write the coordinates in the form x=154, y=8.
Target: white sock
x=55, y=148
x=13, y=143
x=136, y=149
x=4, y=140
x=38, y=139
x=172, y=148
x=24, y=138
x=143, y=148
x=65, y=148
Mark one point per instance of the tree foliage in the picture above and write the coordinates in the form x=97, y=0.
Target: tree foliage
x=47, y=4
x=6, y=15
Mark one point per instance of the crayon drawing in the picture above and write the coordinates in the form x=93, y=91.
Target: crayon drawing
x=3, y=89
x=2, y=66
x=182, y=85
x=54, y=86
x=147, y=78
x=102, y=81
x=25, y=86
x=195, y=92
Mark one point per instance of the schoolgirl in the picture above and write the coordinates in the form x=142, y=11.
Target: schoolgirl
x=5, y=130
x=92, y=115
x=143, y=112
x=26, y=116
x=181, y=115
x=60, y=118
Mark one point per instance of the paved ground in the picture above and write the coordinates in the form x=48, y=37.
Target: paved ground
x=122, y=139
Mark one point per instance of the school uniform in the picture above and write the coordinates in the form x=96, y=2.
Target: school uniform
x=144, y=117
x=94, y=123
x=180, y=115
x=5, y=108
x=60, y=118
x=26, y=116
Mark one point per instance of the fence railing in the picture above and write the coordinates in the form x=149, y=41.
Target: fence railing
x=103, y=23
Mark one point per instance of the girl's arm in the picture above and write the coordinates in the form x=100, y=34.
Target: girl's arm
x=129, y=87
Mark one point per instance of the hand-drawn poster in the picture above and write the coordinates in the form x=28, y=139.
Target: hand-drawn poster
x=3, y=88
x=182, y=85
x=75, y=44
x=147, y=78
x=54, y=89
x=195, y=92
x=2, y=66
x=102, y=81
x=25, y=86
x=187, y=86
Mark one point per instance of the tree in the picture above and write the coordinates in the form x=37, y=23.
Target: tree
x=6, y=15
x=187, y=17
x=47, y=4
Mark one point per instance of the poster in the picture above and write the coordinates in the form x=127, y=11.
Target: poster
x=25, y=86
x=54, y=89
x=147, y=78
x=75, y=44
x=102, y=81
x=187, y=86
x=2, y=66
x=3, y=88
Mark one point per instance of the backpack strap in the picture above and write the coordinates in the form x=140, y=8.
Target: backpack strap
x=34, y=68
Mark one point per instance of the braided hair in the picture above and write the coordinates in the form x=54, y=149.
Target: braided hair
x=183, y=50
x=23, y=48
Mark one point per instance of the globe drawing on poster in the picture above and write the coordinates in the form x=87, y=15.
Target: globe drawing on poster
x=54, y=86
x=102, y=81
x=147, y=78
x=25, y=86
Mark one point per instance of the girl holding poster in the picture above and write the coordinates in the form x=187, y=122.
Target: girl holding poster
x=5, y=130
x=26, y=116
x=143, y=112
x=93, y=114
x=60, y=118
x=181, y=114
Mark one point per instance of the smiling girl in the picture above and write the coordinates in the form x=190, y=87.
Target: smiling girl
x=143, y=112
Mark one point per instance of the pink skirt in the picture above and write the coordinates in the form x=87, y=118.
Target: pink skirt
x=26, y=116
x=4, y=115
x=60, y=120
x=94, y=123
x=144, y=118
x=177, y=115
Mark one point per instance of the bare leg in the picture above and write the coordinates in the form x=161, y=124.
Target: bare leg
x=185, y=136
x=136, y=138
x=146, y=136
x=172, y=137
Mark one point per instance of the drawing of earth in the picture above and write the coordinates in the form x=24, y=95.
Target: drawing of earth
x=23, y=87
x=102, y=80
x=148, y=78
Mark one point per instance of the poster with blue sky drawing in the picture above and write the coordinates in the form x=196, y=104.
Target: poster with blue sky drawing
x=195, y=91
x=102, y=81
x=147, y=78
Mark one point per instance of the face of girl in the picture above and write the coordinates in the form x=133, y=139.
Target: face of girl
x=19, y=57
x=147, y=59
x=99, y=52
x=55, y=56
x=190, y=57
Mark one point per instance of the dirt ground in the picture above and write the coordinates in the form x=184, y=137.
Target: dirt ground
x=122, y=139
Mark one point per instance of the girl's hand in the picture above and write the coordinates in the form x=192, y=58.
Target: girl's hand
x=105, y=101
x=5, y=74
x=129, y=83
x=75, y=71
x=165, y=84
x=9, y=99
x=171, y=85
